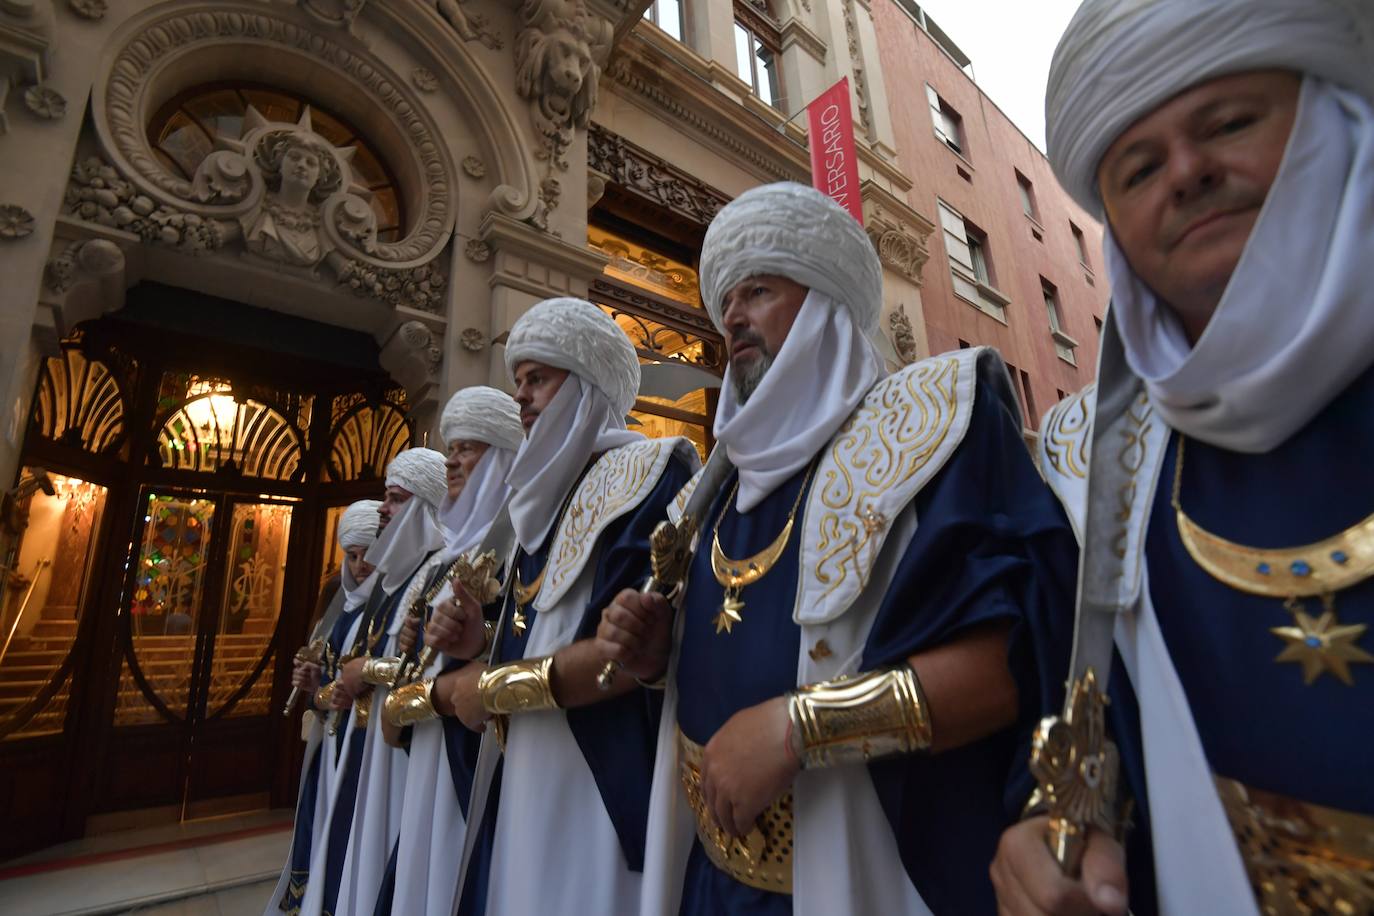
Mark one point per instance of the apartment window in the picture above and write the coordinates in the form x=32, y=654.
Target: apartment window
x=1028, y=397
x=667, y=15
x=1064, y=345
x=1023, y=185
x=1081, y=244
x=949, y=127
x=970, y=263
x=758, y=46
x=1020, y=383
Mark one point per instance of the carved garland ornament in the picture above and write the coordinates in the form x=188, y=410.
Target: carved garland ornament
x=119, y=117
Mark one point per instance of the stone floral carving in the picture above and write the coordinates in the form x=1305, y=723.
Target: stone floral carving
x=900, y=246
x=45, y=102
x=421, y=341
x=474, y=167
x=469, y=26
x=856, y=61
x=419, y=288
x=15, y=222
x=472, y=340
x=89, y=9
x=424, y=79
x=558, y=58
x=477, y=250
x=96, y=193
x=903, y=336
x=92, y=257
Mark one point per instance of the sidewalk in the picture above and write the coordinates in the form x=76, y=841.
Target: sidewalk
x=214, y=867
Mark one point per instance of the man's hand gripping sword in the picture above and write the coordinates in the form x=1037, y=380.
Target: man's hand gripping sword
x=670, y=556
x=312, y=654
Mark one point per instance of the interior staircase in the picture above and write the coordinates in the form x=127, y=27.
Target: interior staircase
x=165, y=661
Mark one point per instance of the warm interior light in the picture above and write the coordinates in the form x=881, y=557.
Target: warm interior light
x=212, y=410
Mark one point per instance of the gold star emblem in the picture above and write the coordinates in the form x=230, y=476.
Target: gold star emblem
x=1321, y=645
x=518, y=622
x=729, y=614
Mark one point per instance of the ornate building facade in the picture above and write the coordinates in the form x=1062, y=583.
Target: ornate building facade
x=249, y=249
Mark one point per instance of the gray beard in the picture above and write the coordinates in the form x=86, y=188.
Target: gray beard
x=747, y=381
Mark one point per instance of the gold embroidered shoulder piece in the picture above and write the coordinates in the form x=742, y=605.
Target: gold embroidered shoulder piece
x=616, y=484
x=1065, y=437
x=897, y=439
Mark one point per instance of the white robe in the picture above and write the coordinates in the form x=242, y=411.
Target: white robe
x=537, y=867
x=331, y=768
x=432, y=825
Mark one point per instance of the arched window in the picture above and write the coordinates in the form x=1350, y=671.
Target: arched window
x=184, y=130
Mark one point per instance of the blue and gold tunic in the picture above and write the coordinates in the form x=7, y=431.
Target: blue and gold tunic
x=992, y=548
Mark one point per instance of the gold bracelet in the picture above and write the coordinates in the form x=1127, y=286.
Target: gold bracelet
x=856, y=719
x=324, y=695
x=411, y=703
x=522, y=686
x=380, y=670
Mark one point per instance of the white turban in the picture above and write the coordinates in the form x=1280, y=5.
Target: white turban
x=485, y=415
x=1120, y=59
x=573, y=334
x=357, y=528
x=422, y=472
x=358, y=524
x=790, y=230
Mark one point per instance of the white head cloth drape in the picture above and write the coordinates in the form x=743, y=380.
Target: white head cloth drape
x=357, y=528
x=414, y=530
x=585, y=417
x=1293, y=327
x=828, y=361
x=479, y=414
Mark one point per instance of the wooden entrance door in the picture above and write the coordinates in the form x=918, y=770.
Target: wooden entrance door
x=202, y=594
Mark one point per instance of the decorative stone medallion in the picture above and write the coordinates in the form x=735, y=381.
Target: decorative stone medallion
x=15, y=222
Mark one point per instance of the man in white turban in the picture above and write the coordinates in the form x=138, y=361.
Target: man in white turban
x=564, y=833
x=1227, y=561
x=357, y=530
x=365, y=817
x=481, y=430
x=861, y=618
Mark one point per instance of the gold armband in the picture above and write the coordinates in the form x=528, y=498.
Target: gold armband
x=324, y=696
x=522, y=686
x=411, y=703
x=380, y=670
x=856, y=719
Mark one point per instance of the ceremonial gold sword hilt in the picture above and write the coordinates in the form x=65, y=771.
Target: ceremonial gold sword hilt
x=1076, y=765
x=670, y=556
x=312, y=654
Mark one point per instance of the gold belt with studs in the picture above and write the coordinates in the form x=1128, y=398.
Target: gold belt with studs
x=763, y=858
x=1301, y=858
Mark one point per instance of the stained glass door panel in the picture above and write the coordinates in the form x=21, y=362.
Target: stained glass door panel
x=165, y=601
x=241, y=669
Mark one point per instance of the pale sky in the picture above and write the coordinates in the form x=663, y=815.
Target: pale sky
x=1011, y=43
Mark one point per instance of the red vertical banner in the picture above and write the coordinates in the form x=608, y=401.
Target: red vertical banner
x=834, y=159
